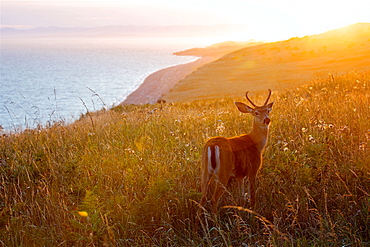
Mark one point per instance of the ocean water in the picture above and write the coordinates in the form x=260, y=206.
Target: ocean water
x=42, y=81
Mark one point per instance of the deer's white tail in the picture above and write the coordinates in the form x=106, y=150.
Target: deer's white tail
x=213, y=153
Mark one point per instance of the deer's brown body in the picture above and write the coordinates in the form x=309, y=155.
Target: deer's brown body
x=239, y=157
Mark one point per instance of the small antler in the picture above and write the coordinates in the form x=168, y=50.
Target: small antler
x=246, y=95
x=268, y=97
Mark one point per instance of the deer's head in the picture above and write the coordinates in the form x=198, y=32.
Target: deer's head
x=260, y=113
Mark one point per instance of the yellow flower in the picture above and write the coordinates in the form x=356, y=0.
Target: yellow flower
x=83, y=213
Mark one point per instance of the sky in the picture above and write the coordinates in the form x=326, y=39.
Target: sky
x=263, y=19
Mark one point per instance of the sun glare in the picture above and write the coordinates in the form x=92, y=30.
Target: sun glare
x=266, y=20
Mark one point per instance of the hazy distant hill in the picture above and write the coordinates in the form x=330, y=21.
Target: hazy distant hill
x=123, y=31
x=217, y=50
x=278, y=65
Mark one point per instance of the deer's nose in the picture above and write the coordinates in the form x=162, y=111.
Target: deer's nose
x=266, y=121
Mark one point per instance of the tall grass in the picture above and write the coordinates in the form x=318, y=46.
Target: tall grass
x=130, y=176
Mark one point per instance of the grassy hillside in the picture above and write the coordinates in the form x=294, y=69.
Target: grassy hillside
x=278, y=65
x=130, y=176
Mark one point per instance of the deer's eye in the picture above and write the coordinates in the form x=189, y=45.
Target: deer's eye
x=256, y=113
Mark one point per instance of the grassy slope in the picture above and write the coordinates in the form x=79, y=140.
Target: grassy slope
x=278, y=65
x=135, y=170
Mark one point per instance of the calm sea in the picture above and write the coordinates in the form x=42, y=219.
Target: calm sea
x=44, y=81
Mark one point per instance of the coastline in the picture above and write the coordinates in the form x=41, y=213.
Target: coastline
x=161, y=82
x=157, y=85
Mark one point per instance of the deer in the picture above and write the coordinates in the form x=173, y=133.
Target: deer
x=238, y=157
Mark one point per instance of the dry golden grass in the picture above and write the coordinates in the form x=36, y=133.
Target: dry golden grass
x=278, y=65
x=130, y=176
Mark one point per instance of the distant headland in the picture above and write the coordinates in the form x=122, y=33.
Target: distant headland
x=229, y=68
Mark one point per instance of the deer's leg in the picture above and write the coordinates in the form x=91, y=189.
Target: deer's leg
x=252, y=190
x=223, y=165
x=221, y=183
x=241, y=190
x=204, y=187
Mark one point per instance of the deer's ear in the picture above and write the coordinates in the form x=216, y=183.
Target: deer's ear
x=243, y=107
x=269, y=106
